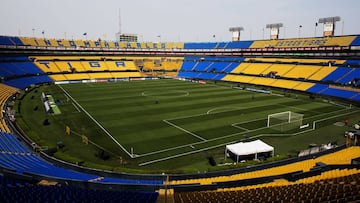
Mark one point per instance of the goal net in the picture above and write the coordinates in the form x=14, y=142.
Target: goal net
x=285, y=121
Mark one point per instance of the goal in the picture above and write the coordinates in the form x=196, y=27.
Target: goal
x=285, y=121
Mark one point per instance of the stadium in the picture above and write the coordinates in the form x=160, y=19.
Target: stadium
x=273, y=120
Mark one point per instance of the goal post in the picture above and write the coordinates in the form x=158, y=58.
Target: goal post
x=285, y=121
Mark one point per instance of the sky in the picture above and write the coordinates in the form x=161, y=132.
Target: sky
x=174, y=20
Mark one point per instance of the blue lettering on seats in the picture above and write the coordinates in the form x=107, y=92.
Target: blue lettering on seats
x=72, y=43
x=47, y=42
x=119, y=63
x=94, y=64
x=45, y=63
x=59, y=43
x=106, y=44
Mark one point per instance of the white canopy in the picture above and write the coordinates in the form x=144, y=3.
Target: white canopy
x=248, y=148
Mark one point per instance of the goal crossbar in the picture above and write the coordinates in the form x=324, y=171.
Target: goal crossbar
x=284, y=117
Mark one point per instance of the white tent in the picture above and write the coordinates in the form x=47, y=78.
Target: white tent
x=249, y=148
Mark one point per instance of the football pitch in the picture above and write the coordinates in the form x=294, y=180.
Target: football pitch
x=155, y=121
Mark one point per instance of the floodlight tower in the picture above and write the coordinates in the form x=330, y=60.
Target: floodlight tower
x=274, y=30
x=329, y=25
x=236, y=33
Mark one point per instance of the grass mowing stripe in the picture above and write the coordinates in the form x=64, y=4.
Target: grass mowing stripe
x=223, y=144
x=180, y=128
x=136, y=122
x=200, y=100
x=92, y=118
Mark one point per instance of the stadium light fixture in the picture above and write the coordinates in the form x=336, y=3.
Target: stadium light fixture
x=329, y=19
x=274, y=25
x=329, y=25
x=236, y=29
x=274, y=30
x=236, y=33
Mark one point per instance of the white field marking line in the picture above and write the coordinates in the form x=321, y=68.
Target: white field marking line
x=110, y=97
x=219, y=138
x=186, y=93
x=293, y=107
x=194, y=143
x=301, y=132
x=93, y=143
x=219, y=145
x=90, y=85
x=314, y=123
x=204, y=114
x=224, y=111
x=76, y=107
x=92, y=118
x=231, y=135
x=180, y=155
x=201, y=142
x=241, y=128
x=256, y=119
x=280, y=124
x=182, y=117
x=169, y=149
x=188, y=132
x=67, y=98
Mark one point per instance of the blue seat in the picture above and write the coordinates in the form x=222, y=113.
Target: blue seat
x=355, y=73
x=22, y=83
x=317, y=88
x=200, y=45
x=20, y=191
x=17, y=157
x=346, y=94
x=356, y=41
x=337, y=74
x=5, y=40
x=239, y=45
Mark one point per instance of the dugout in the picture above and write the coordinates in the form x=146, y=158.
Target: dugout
x=249, y=150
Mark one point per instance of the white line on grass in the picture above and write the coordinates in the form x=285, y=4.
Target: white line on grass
x=67, y=98
x=241, y=128
x=171, y=148
x=182, y=117
x=75, y=107
x=298, y=108
x=213, y=139
x=217, y=138
x=256, y=136
x=209, y=112
x=188, y=132
x=224, y=111
x=200, y=142
x=92, y=118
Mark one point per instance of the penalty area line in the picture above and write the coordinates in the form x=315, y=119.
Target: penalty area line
x=182, y=129
x=97, y=123
x=235, y=134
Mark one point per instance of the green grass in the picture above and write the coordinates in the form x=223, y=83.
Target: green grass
x=169, y=118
